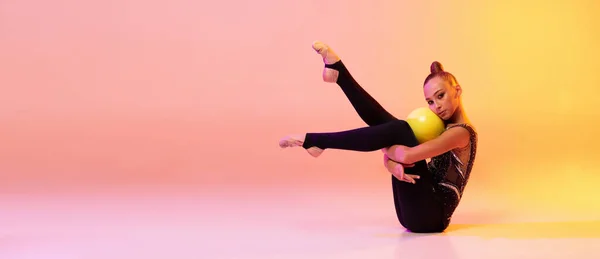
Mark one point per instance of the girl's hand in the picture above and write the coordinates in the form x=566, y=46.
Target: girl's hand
x=397, y=170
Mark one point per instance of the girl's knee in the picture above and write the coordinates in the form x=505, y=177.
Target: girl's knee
x=401, y=124
x=404, y=133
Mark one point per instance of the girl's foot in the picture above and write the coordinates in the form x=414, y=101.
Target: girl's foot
x=297, y=141
x=291, y=141
x=329, y=57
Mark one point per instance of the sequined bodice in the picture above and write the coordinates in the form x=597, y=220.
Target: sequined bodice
x=452, y=169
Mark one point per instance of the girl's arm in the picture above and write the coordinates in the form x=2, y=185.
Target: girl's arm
x=452, y=138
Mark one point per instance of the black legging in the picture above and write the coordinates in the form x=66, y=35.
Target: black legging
x=417, y=206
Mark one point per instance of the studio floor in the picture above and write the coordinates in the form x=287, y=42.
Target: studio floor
x=284, y=223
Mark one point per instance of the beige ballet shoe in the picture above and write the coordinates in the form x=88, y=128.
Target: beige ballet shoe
x=329, y=57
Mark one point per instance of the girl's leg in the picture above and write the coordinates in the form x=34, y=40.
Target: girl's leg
x=418, y=207
x=369, y=110
x=366, y=139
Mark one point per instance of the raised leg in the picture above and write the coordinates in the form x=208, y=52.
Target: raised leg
x=370, y=111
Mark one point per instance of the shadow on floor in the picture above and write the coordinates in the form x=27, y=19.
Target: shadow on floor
x=528, y=230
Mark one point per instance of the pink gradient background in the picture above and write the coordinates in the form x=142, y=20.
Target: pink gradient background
x=196, y=94
x=149, y=129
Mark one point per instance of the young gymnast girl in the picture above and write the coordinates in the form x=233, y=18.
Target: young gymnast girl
x=425, y=194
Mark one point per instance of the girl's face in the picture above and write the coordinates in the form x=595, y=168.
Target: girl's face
x=443, y=99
